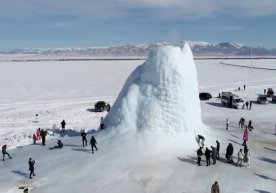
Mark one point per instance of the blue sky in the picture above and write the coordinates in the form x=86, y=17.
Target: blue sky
x=88, y=23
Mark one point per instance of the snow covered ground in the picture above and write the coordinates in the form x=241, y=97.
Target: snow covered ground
x=68, y=90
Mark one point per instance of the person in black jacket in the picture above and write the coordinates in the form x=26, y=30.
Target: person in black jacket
x=199, y=154
x=83, y=135
x=218, y=147
x=63, y=126
x=93, y=143
x=58, y=146
x=229, y=153
x=4, y=152
x=43, y=134
x=207, y=155
x=31, y=167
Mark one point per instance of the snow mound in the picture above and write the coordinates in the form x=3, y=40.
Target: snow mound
x=159, y=95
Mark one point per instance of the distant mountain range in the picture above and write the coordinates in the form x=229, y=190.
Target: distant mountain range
x=198, y=48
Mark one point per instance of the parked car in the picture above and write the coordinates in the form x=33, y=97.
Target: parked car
x=101, y=106
x=274, y=99
x=270, y=92
x=262, y=100
x=205, y=96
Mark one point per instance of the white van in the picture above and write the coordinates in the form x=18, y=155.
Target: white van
x=231, y=100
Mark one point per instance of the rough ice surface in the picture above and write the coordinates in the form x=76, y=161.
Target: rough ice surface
x=159, y=95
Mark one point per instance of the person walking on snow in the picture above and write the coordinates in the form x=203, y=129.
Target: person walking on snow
x=83, y=136
x=207, y=155
x=243, y=87
x=31, y=167
x=218, y=148
x=215, y=188
x=227, y=123
x=250, y=127
x=63, y=126
x=93, y=144
x=245, y=137
x=214, y=155
x=199, y=154
x=4, y=152
x=240, y=158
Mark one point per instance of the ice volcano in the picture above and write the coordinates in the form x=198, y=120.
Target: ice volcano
x=159, y=95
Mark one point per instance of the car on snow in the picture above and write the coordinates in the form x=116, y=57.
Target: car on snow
x=101, y=106
x=274, y=99
x=270, y=92
x=205, y=96
x=262, y=100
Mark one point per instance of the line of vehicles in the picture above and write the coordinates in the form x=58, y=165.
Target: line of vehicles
x=232, y=100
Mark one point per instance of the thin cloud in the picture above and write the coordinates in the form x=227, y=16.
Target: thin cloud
x=120, y=9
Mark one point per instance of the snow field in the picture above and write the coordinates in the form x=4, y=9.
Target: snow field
x=146, y=163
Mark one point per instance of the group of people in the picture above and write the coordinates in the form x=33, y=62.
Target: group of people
x=40, y=134
x=209, y=153
x=243, y=156
x=93, y=141
x=213, y=153
x=248, y=105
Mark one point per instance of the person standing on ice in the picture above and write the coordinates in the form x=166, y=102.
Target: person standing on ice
x=43, y=134
x=199, y=154
x=240, y=158
x=215, y=188
x=218, y=148
x=227, y=123
x=38, y=137
x=244, y=87
x=93, y=144
x=83, y=136
x=229, y=153
x=102, y=123
x=250, y=105
x=34, y=138
x=245, y=137
x=63, y=123
x=250, y=127
x=207, y=155
x=246, y=104
x=31, y=167
x=214, y=155
x=4, y=152
x=247, y=157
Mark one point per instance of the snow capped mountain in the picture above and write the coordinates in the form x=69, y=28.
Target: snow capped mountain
x=199, y=48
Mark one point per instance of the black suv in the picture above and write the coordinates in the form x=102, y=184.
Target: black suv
x=205, y=96
x=101, y=106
